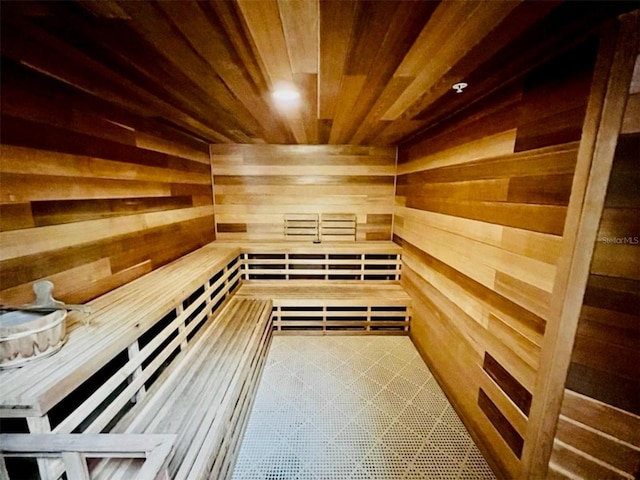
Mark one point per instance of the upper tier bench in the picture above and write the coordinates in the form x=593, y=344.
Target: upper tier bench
x=380, y=261
x=119, y=319
x=328, y=288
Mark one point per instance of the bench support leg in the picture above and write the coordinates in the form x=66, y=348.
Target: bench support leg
x=4, y=473
x=47, y=468
x=181, y=327
x=132, y=351
x=76, y=466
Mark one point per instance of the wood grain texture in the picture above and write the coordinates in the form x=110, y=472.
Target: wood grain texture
x=500, y=422
x=258, y=185
x=518, y=394
x=368, y=73
x=481, y=204
x=88, y=200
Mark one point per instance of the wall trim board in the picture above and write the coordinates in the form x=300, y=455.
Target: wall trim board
x=603, y=121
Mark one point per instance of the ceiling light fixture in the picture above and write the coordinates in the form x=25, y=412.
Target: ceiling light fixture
x=286, y=96
x=459, y=87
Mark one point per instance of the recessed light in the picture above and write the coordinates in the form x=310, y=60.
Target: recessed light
x=285, y=95
x=459, y=87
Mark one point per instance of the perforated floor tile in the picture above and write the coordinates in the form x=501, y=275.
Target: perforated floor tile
x=353, y=408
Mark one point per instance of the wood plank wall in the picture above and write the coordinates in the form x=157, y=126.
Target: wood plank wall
x=91, y=196
x=257, y=185
x=481, y=201
x=599, y=429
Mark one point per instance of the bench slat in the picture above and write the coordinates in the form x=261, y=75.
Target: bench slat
x=190, y=370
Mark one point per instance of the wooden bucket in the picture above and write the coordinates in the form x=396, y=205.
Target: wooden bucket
x=25, y=336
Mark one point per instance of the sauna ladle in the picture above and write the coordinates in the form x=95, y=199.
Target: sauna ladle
x=45, y=301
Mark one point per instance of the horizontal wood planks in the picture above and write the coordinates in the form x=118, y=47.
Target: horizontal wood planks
x=595, y=439
x=92, y=196
x=481, y=201
x=257, y=186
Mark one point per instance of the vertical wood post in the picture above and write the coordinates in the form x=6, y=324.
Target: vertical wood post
x=602, y=125
x=182, y=326
x=48, y=469
x=4, y=473
x=75, y=466
x=132, y=351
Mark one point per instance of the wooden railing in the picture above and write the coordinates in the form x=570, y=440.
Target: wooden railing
x=74, y=449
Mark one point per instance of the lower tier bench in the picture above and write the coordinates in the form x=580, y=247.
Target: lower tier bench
x=205, y=398
x=319, y=307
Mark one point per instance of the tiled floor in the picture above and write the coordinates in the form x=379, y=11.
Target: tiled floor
x=336, y=408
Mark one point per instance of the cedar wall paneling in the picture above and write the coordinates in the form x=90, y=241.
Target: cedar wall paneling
x=598, y=434
x=91, y=196
x=481, y=201
x=257, y=185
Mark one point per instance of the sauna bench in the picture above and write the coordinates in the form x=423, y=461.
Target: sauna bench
x=118, y=319
x=205, y=398
x=369, y=247
x=320, y=307
x=123, y=372
x=337, y=261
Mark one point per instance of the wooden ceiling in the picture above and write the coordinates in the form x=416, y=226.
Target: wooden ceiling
x=369, y=72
